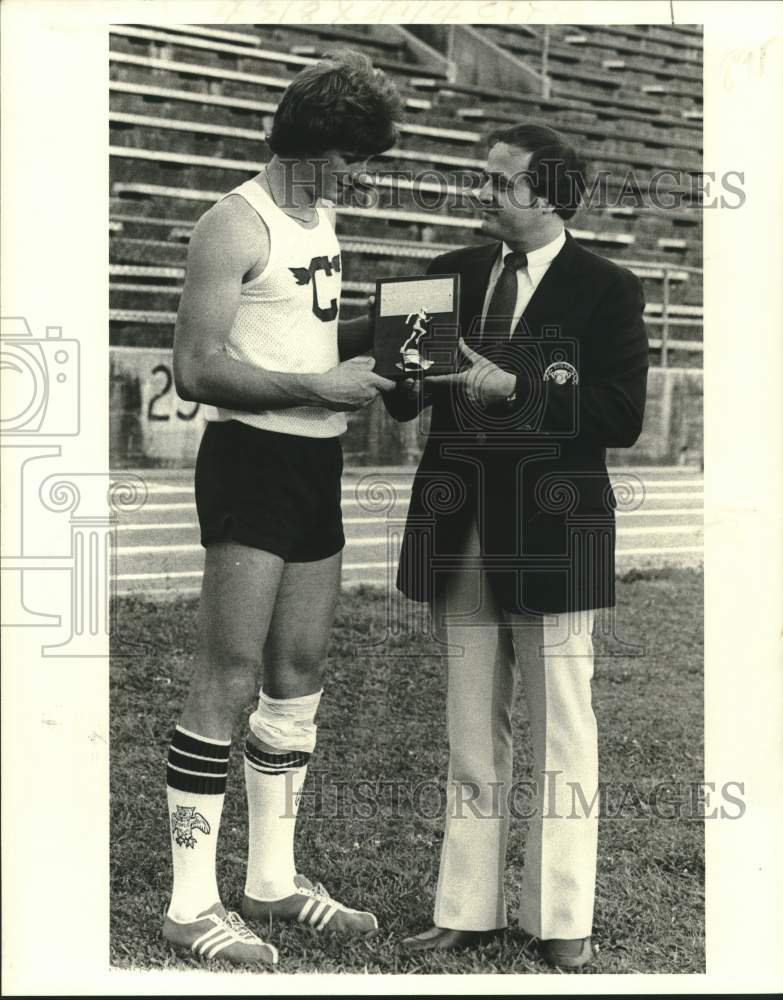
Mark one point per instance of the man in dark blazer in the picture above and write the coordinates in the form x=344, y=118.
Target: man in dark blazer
x=510, y=537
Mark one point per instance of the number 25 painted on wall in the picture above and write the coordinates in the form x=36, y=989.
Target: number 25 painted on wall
x=157, y=400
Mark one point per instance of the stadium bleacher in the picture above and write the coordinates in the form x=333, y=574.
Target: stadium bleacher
x=190, y=107
x=609, y=69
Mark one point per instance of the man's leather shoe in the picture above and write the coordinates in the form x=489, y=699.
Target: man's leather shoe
x=444, y=939
x=565, y=954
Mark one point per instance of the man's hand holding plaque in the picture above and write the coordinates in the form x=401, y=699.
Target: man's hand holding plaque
x=483, y=382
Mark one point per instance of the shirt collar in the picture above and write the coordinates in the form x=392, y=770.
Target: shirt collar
x=542, y=255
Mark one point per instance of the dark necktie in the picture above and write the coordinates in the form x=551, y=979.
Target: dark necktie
x=500, y=311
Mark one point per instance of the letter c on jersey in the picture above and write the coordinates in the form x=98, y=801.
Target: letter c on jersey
x=306, y=276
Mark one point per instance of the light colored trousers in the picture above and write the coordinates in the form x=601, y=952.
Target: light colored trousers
x=554, y=655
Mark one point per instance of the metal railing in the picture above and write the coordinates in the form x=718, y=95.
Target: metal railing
x=546, y=83
x=666, y=320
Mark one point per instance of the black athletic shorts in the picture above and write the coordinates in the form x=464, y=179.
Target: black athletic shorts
x=271, y=491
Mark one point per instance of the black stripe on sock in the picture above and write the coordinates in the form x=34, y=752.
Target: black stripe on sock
x=263, y=770
x=199, y=784
x=275, y=763
x=191, y=744
x=219, y=768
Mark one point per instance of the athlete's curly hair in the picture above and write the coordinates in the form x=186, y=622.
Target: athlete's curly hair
x=341, y=102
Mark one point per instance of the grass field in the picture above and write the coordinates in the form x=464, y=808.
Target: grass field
x=382, y=718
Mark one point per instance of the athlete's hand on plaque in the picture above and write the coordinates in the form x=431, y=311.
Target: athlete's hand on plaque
x=415, y=389
x=483, y=382
x=410, y=388
x=351, y=385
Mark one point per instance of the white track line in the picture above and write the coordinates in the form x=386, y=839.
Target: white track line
x=190, y=505
x=654, y=529
x=687, y=494
x=154, y=526
x=658, y=551
x=349, y=567
x=654, y=484
x=157, y=489
x=179, y=575
x=144, y=550
x=139, y=550
x=664, y=469
x=640, y=512
x=183, y=505
x=164, y=489
x=158, y=591
x=620, y=552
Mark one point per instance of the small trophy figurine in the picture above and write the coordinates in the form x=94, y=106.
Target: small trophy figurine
x=416, y=323
x=411, y=355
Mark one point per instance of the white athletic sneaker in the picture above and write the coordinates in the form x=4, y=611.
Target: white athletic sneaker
x=312, y=906
x=217, y=934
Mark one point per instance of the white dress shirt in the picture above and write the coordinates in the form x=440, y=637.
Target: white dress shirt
x=528, y=279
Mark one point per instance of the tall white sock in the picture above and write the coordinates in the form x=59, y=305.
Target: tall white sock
x=196, y=780
x=276, y=755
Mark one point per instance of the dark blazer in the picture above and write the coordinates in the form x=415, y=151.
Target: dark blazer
x=532, y=474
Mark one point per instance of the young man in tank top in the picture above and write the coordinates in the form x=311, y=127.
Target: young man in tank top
x=259, y=342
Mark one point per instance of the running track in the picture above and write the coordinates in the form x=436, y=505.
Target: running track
x=159, y=553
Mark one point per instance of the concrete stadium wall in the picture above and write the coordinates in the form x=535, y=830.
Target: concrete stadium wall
x=481, y=62
x=151, y=426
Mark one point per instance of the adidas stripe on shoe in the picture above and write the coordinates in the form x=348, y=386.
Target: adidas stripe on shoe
x=312, y=906
x=217, y=934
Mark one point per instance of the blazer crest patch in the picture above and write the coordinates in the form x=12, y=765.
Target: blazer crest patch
x=561, y=372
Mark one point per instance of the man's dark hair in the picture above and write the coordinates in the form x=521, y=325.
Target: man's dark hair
x=341, y=102
x=556, y=171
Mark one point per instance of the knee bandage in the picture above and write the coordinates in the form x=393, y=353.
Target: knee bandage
x=285, y=724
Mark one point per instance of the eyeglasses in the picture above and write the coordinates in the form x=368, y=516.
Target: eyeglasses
x=354, y=156
x=500, y=183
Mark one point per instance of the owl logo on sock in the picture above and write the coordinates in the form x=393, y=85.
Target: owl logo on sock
x=183, y=822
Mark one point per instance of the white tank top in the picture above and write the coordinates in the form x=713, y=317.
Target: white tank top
x=287, y=315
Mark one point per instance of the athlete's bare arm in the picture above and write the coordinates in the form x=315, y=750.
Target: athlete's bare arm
x=228, y=243
x=354, y=336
